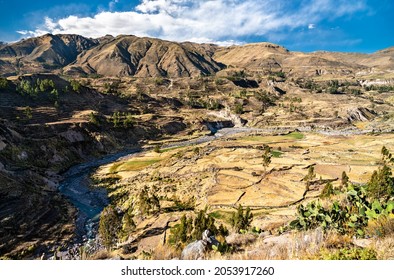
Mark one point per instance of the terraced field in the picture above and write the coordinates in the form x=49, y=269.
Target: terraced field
x=225, y=173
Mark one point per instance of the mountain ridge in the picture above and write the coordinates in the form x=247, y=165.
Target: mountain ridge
x=129, y=55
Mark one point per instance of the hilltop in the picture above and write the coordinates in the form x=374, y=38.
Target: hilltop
x=128, y=56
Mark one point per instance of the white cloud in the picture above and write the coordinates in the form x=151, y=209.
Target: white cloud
x=212, y=21
x=112, y=4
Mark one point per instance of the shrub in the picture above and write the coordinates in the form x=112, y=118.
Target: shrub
x=148, y=204
x=109, y=226
x=350, y=254
x=94, y=119
x=157, y=148
x=75, y=85
x=381, y=184
x=112, y=87
x=241, y=219
x=327, y=191
x=3, y=83
x=267, y=155
x=190, y=229
x=239, y=108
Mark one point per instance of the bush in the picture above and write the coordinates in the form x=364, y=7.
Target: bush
x=381, y=184
x=364, y=204
x=75, y=85
x=157, y=148
x=350, y=254
x=112, y=87
x=327, y=191
x=241, y=219
x=148, y=204
x=109, y=226
x=239, y=108
x=267, y=155
x=190, y=229
x=94, y=119
x=123, y=119
x=3, y=83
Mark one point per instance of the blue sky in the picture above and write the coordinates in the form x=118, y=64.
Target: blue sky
x=299, y=25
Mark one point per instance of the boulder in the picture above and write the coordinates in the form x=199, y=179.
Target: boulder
x=197, y=249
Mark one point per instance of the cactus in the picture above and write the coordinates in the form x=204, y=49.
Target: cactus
x=350, y=218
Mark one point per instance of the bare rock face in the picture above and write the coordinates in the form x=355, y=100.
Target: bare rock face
x=360, y=114
x=73, y=136
x=197, y=249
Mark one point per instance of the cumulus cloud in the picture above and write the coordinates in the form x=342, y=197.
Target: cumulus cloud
x=212, y=21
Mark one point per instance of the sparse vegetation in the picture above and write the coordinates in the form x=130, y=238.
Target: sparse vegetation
x=3, y=83
x=267, y=155
x=190, y=229
x=110, y=226
x=239, y=108
x=241, y=219
x=364, y=204
x=149, y=192
x=122, y=120
x=75, y=85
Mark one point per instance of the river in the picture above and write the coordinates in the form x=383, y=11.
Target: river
x=89, y=202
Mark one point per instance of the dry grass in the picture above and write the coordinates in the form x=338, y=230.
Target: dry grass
x=383, y=226
x=132, y=165
x=100, y=255
x=165, y=252
x=384, y=248
x=291, y=246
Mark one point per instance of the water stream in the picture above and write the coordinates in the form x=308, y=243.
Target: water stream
x=89, y=201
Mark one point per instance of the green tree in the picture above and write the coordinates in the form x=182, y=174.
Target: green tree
x=75, y=85
x=310, y=176
x=109, y=226
x=327, y=191
x=128, y=224
x=157, y=148
x=116, y=119
x=45, y=85
x=28, y=112
x=181, y=233
x=128, y=120
x=267, y=155
x=202, y=222
x=3, y=83
x=344, y=179
x=241, y=219
x=94, y=119
x=148, y=204
x=381, y=184
x=239, y=108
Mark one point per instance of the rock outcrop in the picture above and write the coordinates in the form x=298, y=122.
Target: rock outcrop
x=198, y=249
x=360, y=114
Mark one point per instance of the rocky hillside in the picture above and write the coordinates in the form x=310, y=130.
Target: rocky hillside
x=267, y=56
x=127, y=55
x=45, y=53
x=145, y=57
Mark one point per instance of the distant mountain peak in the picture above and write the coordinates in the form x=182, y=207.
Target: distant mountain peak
x=129, y=55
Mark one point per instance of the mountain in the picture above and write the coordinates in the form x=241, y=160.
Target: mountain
x=43, y=53
x=269, y=56
x=145, y=57
x=128, y=55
